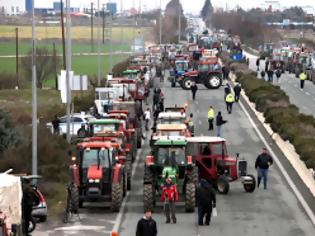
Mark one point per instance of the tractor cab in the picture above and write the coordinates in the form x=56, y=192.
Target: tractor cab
x=169, y=130
x=104, y=98
x=169, y=155
x=131, y=74
x=98, y=127
x=129, y=89
x=171, y=118
x=98, y=175
x=216, y=166
x=176, y=108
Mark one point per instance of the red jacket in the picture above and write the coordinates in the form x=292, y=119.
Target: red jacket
x=169, y=192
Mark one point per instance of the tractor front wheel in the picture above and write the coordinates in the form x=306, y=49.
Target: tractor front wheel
x=190, y=197
x=186, y=84
x=117, y=196
x=250, y=186
x=223, y=185
x=213, y=82
x=148, y=197
x=75, y=199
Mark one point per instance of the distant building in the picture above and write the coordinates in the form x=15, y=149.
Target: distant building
x=12, y=7
x=111, y=7
x=272, y=5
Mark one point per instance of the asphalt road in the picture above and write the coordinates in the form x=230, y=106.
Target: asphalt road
x=275, y=211
x=304, y=99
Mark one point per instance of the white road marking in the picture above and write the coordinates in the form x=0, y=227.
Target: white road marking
x=199, y=122
x=82, y=227
x=123, y=205
x=297, y=193
x=295, y=85
x=307, y=93
x=196, y=102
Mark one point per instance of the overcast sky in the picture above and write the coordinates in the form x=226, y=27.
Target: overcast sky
x=193, y=6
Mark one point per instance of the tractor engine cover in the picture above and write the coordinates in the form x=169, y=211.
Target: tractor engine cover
x=242, y=167
x=95, y=172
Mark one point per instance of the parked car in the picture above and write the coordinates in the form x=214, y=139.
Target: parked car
x=76, y=121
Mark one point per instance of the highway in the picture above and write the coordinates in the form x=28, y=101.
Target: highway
x=305, y=99
x=273, y=212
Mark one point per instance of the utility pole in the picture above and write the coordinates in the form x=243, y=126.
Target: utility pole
x=92, y=16
x=121, y=27
x=34, y=97
x=68, y=69
x=103, y=28
x=63, y=36
x=160, y=21
x=179, y=21
x=17, y=57
x=98, y=44
x=54, y=59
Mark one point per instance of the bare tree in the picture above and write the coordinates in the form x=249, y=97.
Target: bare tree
x=44, y=65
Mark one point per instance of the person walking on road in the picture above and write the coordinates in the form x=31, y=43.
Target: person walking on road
x=219, y=122
x=302, y=78
x=194, y=89
x=278, y=75
x=262, y=164
x=263, y=74
x=237, y=92
x=266, y=64
x=229, y=100
x=147, y=118
x=146, y=225
x=227, y=89
x=206, y=200
x=270, y=75
x=169, y=197
x=258, y=63
x=56, y=125
x=190, y=124
x=210, y=118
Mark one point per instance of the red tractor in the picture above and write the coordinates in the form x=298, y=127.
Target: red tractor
x=216, y=166
x=98, y=175
x=207, y=73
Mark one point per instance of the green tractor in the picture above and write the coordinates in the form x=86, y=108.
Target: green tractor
x=166, y=155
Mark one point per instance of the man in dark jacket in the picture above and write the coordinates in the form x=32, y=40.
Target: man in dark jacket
x=55, y=124
x=262, y=164
x=237, y=92
x=270, y=75
x=146, y=226
x=206, y=200
x=258, y=63
x=194, y=89
x=219, y=122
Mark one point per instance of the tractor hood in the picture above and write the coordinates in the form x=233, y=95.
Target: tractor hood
x=191, y=73
x=94, y=173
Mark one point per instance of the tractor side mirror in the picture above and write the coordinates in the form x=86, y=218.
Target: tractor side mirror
x=237, y=155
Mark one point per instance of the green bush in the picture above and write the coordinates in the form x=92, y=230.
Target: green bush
x=84, y=102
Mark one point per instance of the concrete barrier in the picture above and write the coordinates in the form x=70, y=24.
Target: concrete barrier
x=285, y=146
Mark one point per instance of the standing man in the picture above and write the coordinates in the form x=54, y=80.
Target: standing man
x=146, y=226
x=229, y=100
x=227, y=89
x=190, y=124
x=169, y=197
x=28, y=201
x=219, y=122
x=270, y=75
x=147, y=117
x=206, y=200
x=278, y=75
x=302, y=77
x=258, y=63
x=194, y=89
x=266, y=64
x=237, y=92
x=210, y=118
x=55, y=124
x=262, y=164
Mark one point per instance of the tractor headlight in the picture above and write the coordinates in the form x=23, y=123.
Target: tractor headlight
x=91, y=180
x=94, y=180
x=97, y=181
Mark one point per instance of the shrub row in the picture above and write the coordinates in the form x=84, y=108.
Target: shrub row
x=283, y=117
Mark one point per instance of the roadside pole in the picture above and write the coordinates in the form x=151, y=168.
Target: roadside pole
x=92, y=16
x=179, y=21
x=34, y=97
x=98, y=44
x=68, y=69
x=63, y=36
x=54, y=59
x=160, y=22
x=121, y=26
x=17, y=57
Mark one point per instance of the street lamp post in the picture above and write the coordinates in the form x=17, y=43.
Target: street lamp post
x=160, y=22
x=98, y=44
x=68, y=69
x=34, y=97
x=179, y=21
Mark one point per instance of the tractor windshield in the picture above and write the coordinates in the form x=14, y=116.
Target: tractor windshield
x=166, y=154
x=99, y=128
x=218, y=149
x=95, y=157
x=171, y=121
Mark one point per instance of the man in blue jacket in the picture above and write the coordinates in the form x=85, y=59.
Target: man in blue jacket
x=262, y=164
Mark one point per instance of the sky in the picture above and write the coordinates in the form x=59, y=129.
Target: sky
x=191, y=6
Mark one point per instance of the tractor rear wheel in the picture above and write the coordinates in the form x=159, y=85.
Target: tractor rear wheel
x=213, y=82
x=186, y=84
x=148, y=197
x=128, y=170
x=190, y=197
x=117, y=196
x=223, y=185
x=250, y=187
x=75, y=199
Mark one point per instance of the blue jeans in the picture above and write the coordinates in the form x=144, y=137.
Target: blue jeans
x=218, y=130
x=262, y=173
